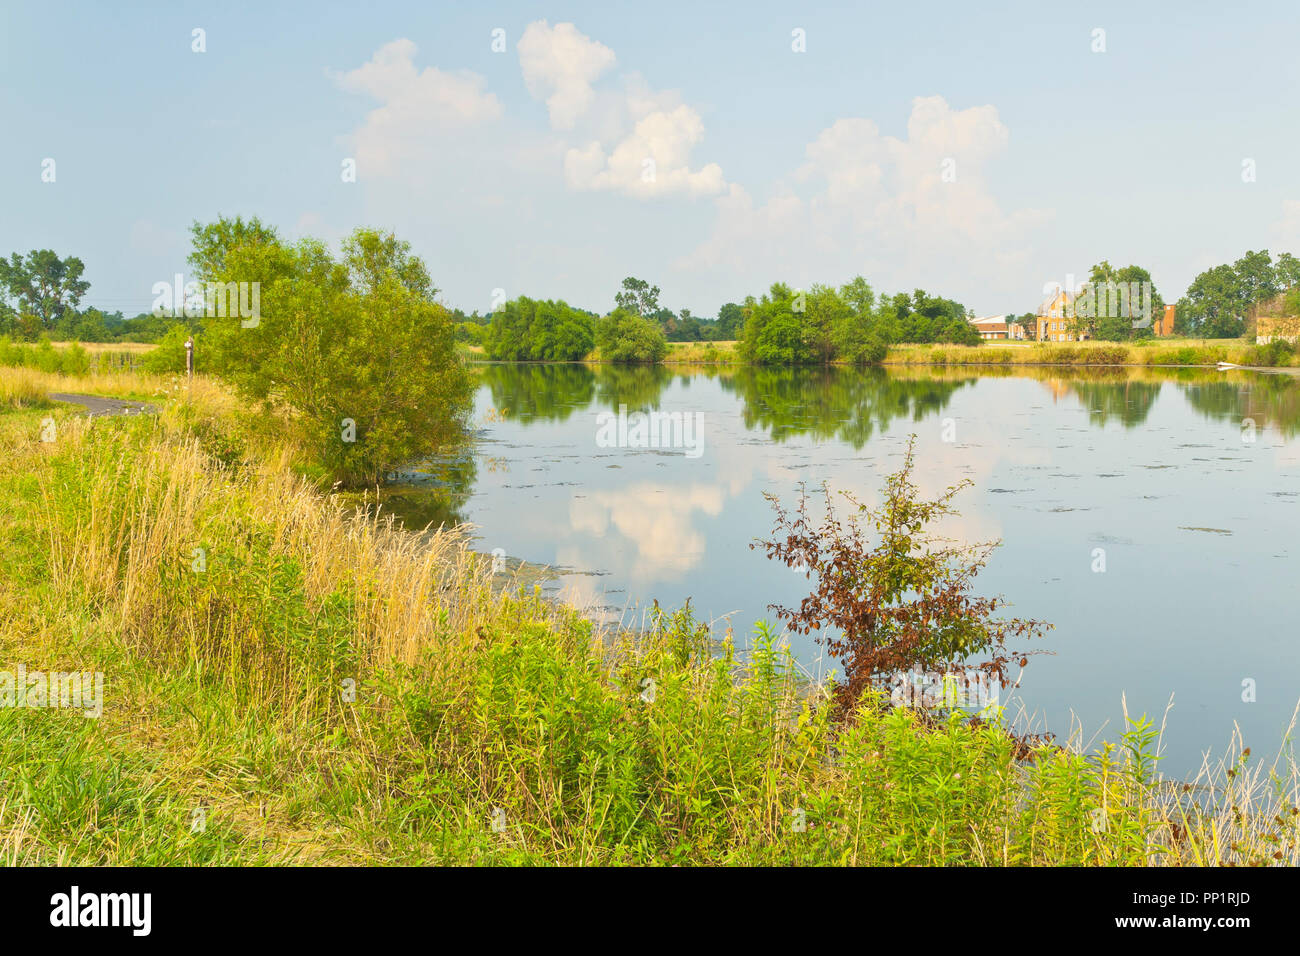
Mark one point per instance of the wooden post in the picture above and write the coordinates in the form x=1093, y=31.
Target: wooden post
x=189, y=357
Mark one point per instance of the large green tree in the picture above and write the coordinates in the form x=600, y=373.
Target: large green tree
x=1287, y=271
x=731, y=322
x=45, y=285
x=357, y=344
x=1219, y=300
x=922, y=317
x=1111, y=293
x=638, y=296
x=1215, y=305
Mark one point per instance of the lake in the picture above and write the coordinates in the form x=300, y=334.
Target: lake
x=1183, y=482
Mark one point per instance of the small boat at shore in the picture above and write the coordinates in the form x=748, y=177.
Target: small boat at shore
x=1224, y=366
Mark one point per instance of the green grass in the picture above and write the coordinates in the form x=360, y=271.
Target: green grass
x=703, y=353
x=326, y=688
x=1181, y=352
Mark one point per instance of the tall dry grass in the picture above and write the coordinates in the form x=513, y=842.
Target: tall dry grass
x=24, y=388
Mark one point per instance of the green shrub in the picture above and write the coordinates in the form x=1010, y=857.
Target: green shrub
x=528, y=330
x=358, y=346
x=870, y=351
x=46, y=357
x=74, y=360
x=623, y=337
x=11, y=353
x=169, y=356
x=1276, y=352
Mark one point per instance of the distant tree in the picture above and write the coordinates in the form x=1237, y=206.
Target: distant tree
x=665, y=319
x=638, y=296
x=731, y=322
x=824, y=316
x=859, y=295
x=959, y=332
x=1219, y=300
x=87, y=326
x=1256, y=277
x=44, y=285
x=691, y=328
x=147, y=327
x=851, y=324
x=1287, y=271
x=624, y=336
x=530, y=330
x=922, y=317
x=1102, y=303
x=1217, y=303
x=774, y=328
x=470, y=333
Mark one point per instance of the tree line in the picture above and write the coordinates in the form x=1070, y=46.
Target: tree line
x=787, y=326
x=784, y=326
x=359, y=347
x=40, y=295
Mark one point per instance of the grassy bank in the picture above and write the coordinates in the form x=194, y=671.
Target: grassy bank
x=703, y=353
x=1154, y=352
x=287, y=681
x=1180, y=352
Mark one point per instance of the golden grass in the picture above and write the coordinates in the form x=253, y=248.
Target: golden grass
x=24, y=388
x=116, y=383
x=135, y=348
x=1155, y=352
x=155, y=505
x=702, y=353
x=15, y=834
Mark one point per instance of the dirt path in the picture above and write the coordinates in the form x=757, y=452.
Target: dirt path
x=96, y=405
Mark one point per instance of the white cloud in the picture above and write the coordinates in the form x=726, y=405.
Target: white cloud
x=416, y=106
x=559, y=65
x=878, y=204
x=657, y=519
x=653, y=160
x=652, y=132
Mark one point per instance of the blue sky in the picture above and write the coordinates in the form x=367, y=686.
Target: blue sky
x=524, y=171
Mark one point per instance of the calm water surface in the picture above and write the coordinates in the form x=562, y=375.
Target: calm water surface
x=1198, y=527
